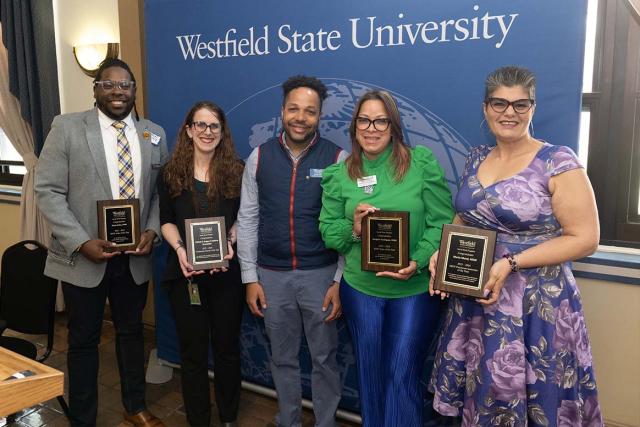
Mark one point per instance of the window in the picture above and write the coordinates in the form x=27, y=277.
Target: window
x=12, y=168
x=610, y=128
x=587, y=80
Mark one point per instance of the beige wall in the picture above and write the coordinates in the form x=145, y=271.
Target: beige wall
x=80, y=22
x=10, y=220
x=612, y=312
x=131, y=14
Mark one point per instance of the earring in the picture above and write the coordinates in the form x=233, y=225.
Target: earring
x=482, y=122
x=531, y=127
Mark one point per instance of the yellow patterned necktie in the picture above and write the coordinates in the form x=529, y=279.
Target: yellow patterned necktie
x=125, y=163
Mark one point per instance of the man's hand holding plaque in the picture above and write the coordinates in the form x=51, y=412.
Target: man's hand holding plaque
x=464, y=261
x=145, y=244
x=97, y=250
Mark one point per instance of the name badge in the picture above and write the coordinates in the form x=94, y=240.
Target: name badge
x=367, y=181
x=155, y=139
x=315, y=173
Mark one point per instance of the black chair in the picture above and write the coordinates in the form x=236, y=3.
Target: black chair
x=27, y=301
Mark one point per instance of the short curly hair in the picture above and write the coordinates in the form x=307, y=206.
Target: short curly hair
x=294, y=82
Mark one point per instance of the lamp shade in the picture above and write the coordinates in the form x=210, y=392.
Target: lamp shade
x=89, y=56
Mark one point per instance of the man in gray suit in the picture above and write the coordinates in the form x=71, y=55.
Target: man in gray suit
x=100, y=154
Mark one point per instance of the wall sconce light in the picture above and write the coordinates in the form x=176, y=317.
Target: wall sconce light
x=89, y=56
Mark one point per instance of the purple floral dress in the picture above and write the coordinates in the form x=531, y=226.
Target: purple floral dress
x=525, y=360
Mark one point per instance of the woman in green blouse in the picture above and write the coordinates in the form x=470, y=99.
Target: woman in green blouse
x=391, y=317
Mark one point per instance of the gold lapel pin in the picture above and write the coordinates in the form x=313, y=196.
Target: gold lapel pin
x=146, y=134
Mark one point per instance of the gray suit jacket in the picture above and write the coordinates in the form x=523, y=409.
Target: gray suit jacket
x=71, y=176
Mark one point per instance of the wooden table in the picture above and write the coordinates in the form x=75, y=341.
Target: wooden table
x=18, y=394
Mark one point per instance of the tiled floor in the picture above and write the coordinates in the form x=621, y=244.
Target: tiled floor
x=164, y=400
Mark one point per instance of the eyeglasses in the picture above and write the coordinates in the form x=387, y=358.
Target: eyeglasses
x=500, y=105
x=201, y=127
x=363, y=123
x=110, y=85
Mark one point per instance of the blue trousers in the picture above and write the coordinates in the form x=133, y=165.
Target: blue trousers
x=390, y=337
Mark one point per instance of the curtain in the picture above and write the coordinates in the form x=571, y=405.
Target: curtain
x=29, y=72
x=32, y=223
x=33, y=226
x=635, y=8
x=29, y=36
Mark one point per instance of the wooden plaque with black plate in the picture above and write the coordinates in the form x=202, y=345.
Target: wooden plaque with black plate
x=385, y=241
x=119, y=223
x=206, y=242
x=464, y=261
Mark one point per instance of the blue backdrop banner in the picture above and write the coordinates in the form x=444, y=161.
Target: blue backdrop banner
x=432, y=55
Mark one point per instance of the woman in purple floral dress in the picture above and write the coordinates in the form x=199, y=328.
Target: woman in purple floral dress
x=522, y=356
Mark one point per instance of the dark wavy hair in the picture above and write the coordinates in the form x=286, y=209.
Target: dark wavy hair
x=401, y=156
x=225, y=168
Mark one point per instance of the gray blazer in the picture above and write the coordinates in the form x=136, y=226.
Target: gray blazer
x=71, y=176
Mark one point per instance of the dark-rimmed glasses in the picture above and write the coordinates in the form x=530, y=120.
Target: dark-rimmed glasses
x=110, y=84
x=363, y=123
x=500, y=105
x=201, y=127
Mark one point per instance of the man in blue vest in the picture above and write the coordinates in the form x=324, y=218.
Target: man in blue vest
x=292, y=278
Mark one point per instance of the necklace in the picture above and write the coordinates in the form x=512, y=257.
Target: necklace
x=201, y=174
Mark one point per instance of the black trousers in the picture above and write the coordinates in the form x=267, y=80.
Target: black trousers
x=216, y=321
x=85, y=308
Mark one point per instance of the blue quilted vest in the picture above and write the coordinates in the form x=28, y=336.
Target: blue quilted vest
x=290, y=200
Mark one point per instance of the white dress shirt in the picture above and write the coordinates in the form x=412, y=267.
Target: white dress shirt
x=110, y=141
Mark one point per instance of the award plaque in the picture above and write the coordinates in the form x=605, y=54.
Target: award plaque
x=119, y=223
x=464, y=261
x=206, y=242
x=385, y=241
